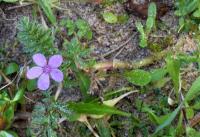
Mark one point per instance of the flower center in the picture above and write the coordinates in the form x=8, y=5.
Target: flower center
x=47, y=69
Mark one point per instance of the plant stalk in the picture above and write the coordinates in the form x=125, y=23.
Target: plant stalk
x=116, y=64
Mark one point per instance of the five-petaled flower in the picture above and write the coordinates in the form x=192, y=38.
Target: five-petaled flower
x=45, y=69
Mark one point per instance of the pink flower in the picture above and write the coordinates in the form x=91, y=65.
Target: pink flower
x=45, y=69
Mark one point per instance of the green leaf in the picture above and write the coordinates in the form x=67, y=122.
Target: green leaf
x=197, y=13
x=95, y=108
x=169, y=119
x=122, y=18
x=149, y=25
x=153, y=117
x=8, y=115
x=103, y=128
x=189, y=113
x=161, y=83
x=196, y=105
x=152, y=10
x=9, y=1
x=182, y=23
x=138, y=77
x=6, y=134
x=84, y=30
x=157, y=120
x=84, y=82
x=151, y=17
x=186, y=7
x=143, y=36
x=35, y=38
x=11, y=68
x=70, y=25
x=194, y=91
x=191, y=6
x=140, y=27
x=173, y=68
x=31, y=85
x=68, y=113
x=110, y=17
x=158, y=74
x=18, y=95
x=46, y=6
x=179, y=127
x=51, y=132
x=13, y=133
x=89, y=35
x=190, y=132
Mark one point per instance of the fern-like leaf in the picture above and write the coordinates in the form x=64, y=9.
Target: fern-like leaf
x=35, y=37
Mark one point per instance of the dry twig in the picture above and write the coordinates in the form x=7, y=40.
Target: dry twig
x=120, y=46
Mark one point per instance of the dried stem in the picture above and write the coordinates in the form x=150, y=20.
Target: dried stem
x=58, y=91
x=116, y=64
x=83, y=119
x=9, y=83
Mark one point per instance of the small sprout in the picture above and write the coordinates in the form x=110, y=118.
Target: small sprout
x=150, y=23
x=109, y=17
x=44, y=69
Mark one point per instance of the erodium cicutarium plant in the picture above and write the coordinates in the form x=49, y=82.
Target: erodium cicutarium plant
x=44, y=70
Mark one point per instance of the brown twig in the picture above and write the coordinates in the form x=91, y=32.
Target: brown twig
x=5, y=77
x=29, y=99
x=119, y=52
x=9, y=82
x=19, y=6
x=120, y=46
x=195, y=120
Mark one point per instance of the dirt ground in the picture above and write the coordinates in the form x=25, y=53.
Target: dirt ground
x=106, y=36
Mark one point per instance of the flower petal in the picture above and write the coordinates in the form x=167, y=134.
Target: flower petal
x=43, y=82
x=55, y=61
x=34, y=72
x=39, y=59
x=56, y=75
